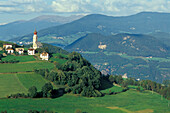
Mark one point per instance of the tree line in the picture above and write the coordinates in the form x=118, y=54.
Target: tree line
x=47, y=91
x=163, y=90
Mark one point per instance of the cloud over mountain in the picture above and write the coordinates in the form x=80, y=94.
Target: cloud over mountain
x=114, y=7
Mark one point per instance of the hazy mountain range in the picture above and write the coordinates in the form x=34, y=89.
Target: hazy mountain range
x=22, y=27
x=141, y=23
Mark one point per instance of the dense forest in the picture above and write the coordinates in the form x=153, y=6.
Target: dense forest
x=80, y=76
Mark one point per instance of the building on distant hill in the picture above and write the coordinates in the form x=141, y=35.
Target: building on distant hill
x=31, y=51
x=36, y=44
x=19, y=50
x=10, y=50
x=6, y=46
x=138, y=79
x=125, y=76
x=44, y=56
x=102, y=46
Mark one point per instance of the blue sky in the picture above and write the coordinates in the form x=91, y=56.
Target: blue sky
x=12, y=10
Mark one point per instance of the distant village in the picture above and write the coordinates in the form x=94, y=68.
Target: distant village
x=31, y=51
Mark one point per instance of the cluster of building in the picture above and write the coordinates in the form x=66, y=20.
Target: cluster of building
x=30, y=51
x=10, y=50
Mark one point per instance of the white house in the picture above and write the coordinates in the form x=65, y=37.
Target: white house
x=31, y=51
x=10, y=51
x=44, y=56
x=19, y=50
x=6, y=46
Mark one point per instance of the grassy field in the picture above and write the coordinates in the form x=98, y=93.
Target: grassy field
x=19, y=58
x=20, y=83
x=31, y=79
x=134, y=87
x=127, y=102
x=23, y=67
x=130, y=101
x=112, y=89
x=55, y=57
x=10, y=84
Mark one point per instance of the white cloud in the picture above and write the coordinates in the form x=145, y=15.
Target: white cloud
x=25, y=1
x=111, y=7
x=70, y=5
x=8, y=9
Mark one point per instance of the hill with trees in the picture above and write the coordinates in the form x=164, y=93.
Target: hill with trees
x=139, y=56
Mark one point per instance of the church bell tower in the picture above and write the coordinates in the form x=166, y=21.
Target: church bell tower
x=35, y=46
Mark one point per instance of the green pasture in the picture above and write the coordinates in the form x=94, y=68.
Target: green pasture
x=113, y=89
x=55, y=57
x=31, y=79
x=20, y=83
x=10, y=84
x=127, y=102
x=23, y=67
x=135, y=87
x=19, y=58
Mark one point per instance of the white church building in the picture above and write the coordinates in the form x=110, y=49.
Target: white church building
x=36, y=44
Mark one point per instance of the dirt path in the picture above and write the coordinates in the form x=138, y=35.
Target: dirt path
x=29, y=62
x=128, y=111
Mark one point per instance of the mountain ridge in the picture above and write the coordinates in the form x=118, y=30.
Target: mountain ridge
x=141, y=23
x=22, y=27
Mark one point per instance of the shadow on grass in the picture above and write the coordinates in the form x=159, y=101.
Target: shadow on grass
x=58, y=93
x=105, y=84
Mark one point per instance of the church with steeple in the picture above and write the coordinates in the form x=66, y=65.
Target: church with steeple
x=36, y=44
x=35, y=37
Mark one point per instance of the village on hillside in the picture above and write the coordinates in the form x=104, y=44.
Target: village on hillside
x=11, y=49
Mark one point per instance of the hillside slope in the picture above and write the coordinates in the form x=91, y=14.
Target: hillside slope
x=131, y=44
x=139, y=56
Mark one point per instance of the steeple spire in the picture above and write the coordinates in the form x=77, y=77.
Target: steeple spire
x=35, y=32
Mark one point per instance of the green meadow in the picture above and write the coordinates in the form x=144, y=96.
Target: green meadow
x=31, y=79
x=26, y=66
x=19, y=58
x=130, y=101
x=57, y=59
x=127, y=102
x=19, y=83
x=112, y=89
x=10, y=84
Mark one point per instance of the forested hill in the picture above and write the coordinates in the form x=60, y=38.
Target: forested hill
x=145, y=22
x=131, y=44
